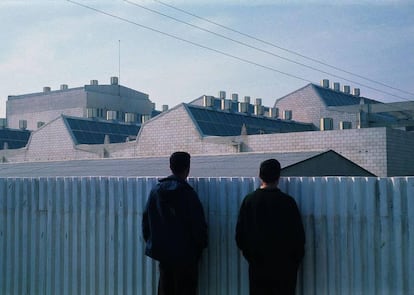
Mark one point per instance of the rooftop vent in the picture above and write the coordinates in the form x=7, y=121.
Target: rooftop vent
x=110, y=115
x=22, y=124
x=347, y=89
x=165, y=107
x=130, y=117
x=325, y=83
x=145, y=118
x=235, y=97
x=337, y=86
x=91, y=113
x=114, y=80
x=345, y=125
x=46, y=89
x=258, y=101
x=64, y=87
x=247, y=99
x=225, y=104
x=243, y=107
x=95, y=82
x=222, y=94
x=326, y=124
x=273, y=112
x=357, y=92
x=287, y=115
x=258, y=110
x=208, y=101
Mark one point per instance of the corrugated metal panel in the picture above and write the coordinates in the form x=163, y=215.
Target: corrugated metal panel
x=83, y=235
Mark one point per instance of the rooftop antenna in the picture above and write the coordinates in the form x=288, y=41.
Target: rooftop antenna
x=119, y=61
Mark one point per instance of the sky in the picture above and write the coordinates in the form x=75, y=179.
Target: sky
x=366, y=44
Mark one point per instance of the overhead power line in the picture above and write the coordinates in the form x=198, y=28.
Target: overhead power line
x=259, y=49
x=213, y=49
x=281, y=48
x=188, y=41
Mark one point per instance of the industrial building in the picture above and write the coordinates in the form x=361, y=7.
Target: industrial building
x=111, y=102
x=372, y=135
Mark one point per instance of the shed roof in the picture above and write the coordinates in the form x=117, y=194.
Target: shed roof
x=15, y=138
x=338, y=98
x=93, y=131
x=331, y=97
x=221, y=123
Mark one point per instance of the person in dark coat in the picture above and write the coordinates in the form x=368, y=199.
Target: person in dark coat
x=270, y=234
x=175, y=230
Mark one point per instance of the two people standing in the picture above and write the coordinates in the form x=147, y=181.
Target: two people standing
x=269, y=232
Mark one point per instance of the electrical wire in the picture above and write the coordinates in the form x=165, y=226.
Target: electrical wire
x=188, y=41
x=213, y=49
x=281, y=48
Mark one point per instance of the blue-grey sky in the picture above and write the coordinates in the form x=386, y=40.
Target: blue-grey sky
x=49, y=43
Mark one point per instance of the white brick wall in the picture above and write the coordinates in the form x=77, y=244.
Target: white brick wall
x=53, y=142
x=174, y=130
x=382, y=151
x=365, y=147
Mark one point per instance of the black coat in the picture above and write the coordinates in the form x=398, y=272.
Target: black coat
x=173, y=223
x=269, y=229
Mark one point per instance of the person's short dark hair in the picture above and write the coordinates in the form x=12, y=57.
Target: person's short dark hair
x=269, y=170
x=179, y=162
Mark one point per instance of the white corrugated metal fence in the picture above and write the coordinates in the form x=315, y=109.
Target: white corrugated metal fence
x=82, y=235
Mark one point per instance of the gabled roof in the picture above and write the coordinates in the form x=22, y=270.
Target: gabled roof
x=15, y=138
x=93, y=131
x=212, y=122
x=331, y=97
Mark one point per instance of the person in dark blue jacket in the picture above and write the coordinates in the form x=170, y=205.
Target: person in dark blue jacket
x=270, y=233
x=175, y=230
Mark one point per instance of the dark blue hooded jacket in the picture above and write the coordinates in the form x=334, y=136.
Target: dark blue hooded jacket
x=173, y=223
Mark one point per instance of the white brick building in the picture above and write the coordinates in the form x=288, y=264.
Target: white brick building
x=382, y=151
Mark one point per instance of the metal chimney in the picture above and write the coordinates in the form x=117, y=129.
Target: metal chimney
x=208, y=101
x=337, y=86
x=225, y=104
x=325, y=83
x=165, y=107
x=114, y=80
x=64, y=87
x=222, y=94
x=347, y=89
x=46, y=89
x=357, y=92
x=95, y=82
x=247, y=99
x=258, y=110
x=235, y=97
x=273, y=112
x=243, y=107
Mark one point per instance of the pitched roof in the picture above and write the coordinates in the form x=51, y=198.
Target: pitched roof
x=338, y=98
x=329, y=96
x=231, y=165
x=93, y=131
x=15, y=138
x=220, y=123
